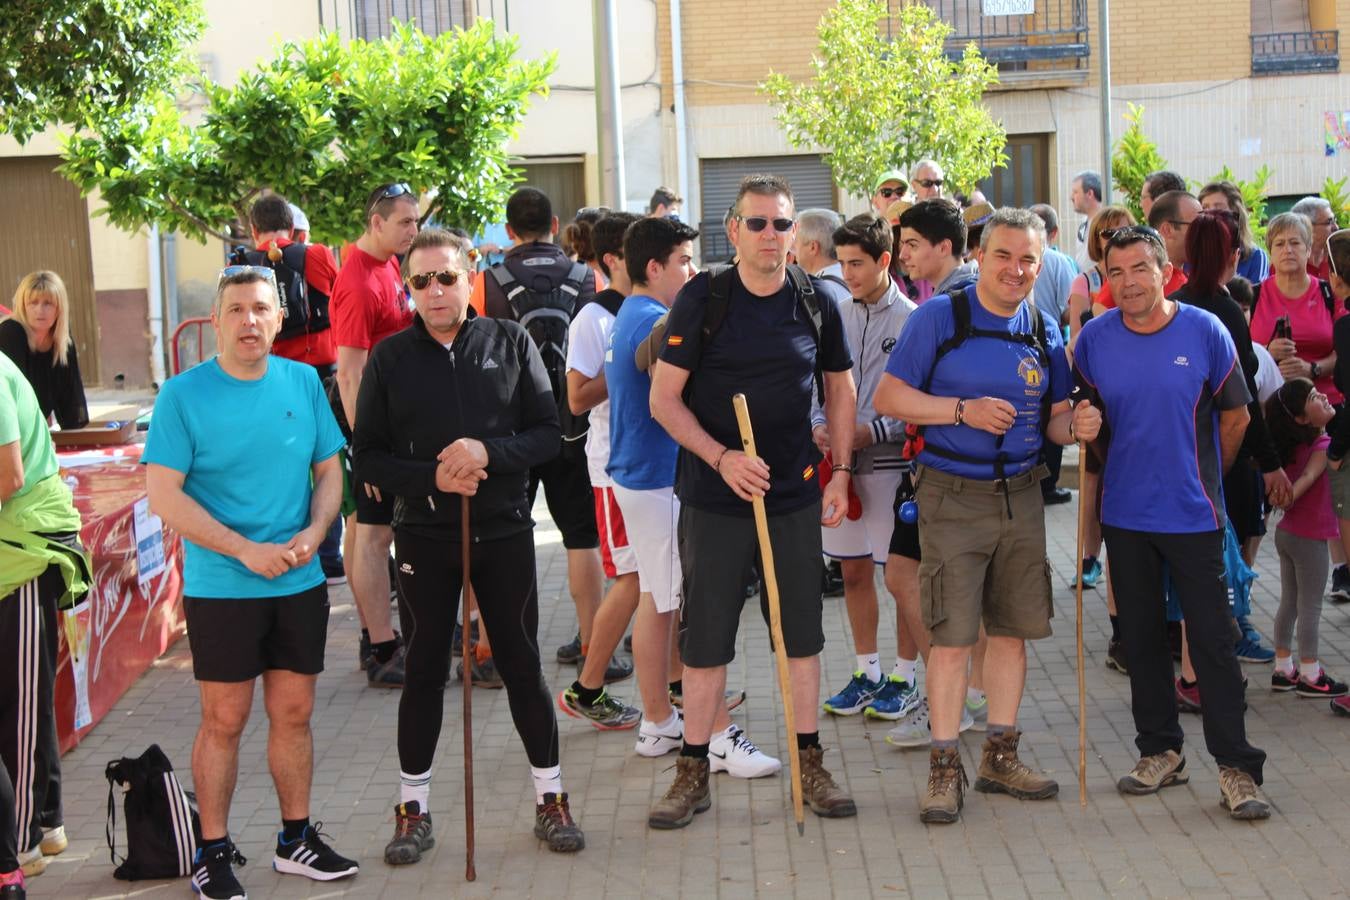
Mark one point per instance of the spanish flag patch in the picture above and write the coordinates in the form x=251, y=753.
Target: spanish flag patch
x=808, y=473
x=674, y=340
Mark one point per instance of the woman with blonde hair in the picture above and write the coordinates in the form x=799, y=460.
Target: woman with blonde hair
x=1086, y=288
x=36, y=336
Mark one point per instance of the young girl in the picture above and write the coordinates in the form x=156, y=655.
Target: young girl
x=1298, y=414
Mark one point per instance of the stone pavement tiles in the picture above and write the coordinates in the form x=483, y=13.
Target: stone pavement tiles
x=1177, y=844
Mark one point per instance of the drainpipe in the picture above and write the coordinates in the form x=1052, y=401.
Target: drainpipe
x=683, y=166
x=155, y=304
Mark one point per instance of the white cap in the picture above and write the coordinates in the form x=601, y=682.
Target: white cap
x=298, y=220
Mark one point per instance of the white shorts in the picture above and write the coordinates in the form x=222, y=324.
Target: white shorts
x=869, y=535
x=651, y=518
x=616, y=554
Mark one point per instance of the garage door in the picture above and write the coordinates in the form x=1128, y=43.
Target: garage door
x=563, y=181
x=812, y=186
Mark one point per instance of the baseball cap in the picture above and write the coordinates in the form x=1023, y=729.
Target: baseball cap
x=892, y=175
x=298, y=220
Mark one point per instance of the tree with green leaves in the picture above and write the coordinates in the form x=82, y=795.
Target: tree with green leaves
x=876, y=104
x=1133, y=159
x=322, y=123
x=65, y=61
x=1254, y=193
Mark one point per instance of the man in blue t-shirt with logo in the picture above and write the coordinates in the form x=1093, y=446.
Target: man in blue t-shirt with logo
x=1167, y=375
x=767, y=346
x=242, y=462
x=987, y=395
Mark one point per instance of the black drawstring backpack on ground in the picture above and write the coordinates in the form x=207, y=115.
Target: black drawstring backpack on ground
x=163, y=829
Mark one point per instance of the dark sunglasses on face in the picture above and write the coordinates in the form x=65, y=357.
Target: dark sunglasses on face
x=929, y=182
x=759, y=223
x=888, y=193
x=422, y=281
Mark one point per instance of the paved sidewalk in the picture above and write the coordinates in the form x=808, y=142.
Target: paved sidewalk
x=1177, y=844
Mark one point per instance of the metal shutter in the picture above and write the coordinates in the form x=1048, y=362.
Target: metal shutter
x=812, y=186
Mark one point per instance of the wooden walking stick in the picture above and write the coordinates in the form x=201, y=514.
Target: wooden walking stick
x=775, y=618
x=1078, y=598
x=466, y=600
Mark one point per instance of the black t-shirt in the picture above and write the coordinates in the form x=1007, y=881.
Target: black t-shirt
x=765, y=349
x=59, y=388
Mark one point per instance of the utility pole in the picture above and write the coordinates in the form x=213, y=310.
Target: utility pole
x=1104, y=68
x=608, y=109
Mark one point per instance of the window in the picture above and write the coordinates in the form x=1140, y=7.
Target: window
x=1026, y=178
x=432, y=16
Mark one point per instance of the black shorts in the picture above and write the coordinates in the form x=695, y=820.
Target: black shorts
x=1244, y=499
x=238, y=639
x=570, y=500
x=904, y=536
x=715, y=552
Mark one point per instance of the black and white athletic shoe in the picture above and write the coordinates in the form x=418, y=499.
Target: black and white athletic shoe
x=311, y=857
x=213, y=872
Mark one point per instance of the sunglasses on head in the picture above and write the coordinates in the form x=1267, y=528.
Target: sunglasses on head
x=888, y=193
x=392, y=191
x=759, y=223
x=264, y=271
x=929, y=182
x=421, y=281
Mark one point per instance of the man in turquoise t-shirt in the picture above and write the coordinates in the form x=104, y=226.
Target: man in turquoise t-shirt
x=242, y=462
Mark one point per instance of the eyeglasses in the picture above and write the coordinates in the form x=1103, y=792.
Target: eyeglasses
x=888, y=193
x=929, y=182
x=422, y=281
x=1331, y=256
x=759, y=223
x=1179, y=223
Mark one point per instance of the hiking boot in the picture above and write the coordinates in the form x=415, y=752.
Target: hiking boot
x=895, y=700
x=570, y=651
x=819, y=790
x=946, y=794
x=1280, y=682
x=914, y=730
x=652, y=742
x=687, y=795
x=1001, y=771
x=11, y=885
x=387, y=674
x=1092, y=573
x=54, y=840
x=617, y=670
x=1324, y=686
x=606, y=713
x=731, y=699
x=1340, y=584
x=734, y=753
x=412, y=835
x=855, y=696
x=1239, y=795
x=483, y=672
x=553, y=823
x=311, y=857
x=213, y=872
x=1115, y=656
x=1153, y=773
x=1188, y=695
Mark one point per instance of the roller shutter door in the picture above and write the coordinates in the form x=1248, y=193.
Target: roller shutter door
x=812, y=186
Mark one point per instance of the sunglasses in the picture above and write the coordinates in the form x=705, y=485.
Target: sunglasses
x=233, y=271
x=1129, y=234
x=929, y=182
x=759, y=223
x=888, y=193
x=422, y=281
x=1331, y=256
x=392, y=191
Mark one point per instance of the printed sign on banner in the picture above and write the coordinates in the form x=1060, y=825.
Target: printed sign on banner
x=77, y=621
x=149, y=533
x=1008, y=7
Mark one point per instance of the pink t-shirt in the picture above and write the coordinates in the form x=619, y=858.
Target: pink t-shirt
x=1311, y=516
x=1308, y=321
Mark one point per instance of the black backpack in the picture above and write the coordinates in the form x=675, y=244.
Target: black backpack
x=304, y=310
x=1328, y=298
x=163, y=829
x=546, y=317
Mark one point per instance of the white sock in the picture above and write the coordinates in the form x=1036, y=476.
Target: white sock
x=415, y=787
x=1284, y=665
x=906, y=668
x=1310, y=672
x=546, y=781
x=669, y=727
x=974, y=695
x=870, y=665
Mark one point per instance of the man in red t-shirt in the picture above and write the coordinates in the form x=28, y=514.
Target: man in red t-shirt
x=369, y=305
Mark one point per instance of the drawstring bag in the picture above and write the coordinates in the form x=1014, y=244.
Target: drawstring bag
x=163, y=829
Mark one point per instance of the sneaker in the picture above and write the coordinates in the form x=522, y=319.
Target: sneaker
x=734, y=753
x=53, y=840
x=607, y=714
x=1340, y=584
x=363, y=656
x=855, y=696
x=412, y=835
x=1281, y=683
x=1092, y=573
x=896, y=699
x=483, y=672
x=731, y=699
x=1057, y=495
x=617, y=670
x=1115, y=656
x=388, y=674
x=1341, y=706
x=11, y=885
x=213, y=872
x=978, y=712
x=688, y=795
x=946, y=793
x=32, y=863
x=1188, y=696
x=652, y=743
x=311, y=857
x=1239, y=795
x=1153, y=773
x=1250, y=650
x=826, y=798
x=569, y=652
x=457, y=640
x=1002, y=772
x=1324, y=686
x=914, y=731
x=1245, y=626
x=553, y=823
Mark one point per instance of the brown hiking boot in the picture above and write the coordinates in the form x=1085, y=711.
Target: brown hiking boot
x=1001, y=771
x=1240, y=796
x=825, y=798
x=1153, y=773
x=687, y=795
x=553, y=822
x=946, y=794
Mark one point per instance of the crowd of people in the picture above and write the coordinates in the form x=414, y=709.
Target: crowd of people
x=913, y=374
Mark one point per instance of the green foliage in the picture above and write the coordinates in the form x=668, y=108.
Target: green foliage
x=63, y=61
x=1335, y=192
x=1254, y=194
x=875, y=105
x=1133, y=158
x=323, y=123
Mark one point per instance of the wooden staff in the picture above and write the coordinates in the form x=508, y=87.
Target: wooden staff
x=465, y=601
x=1078, y=597
x=775, y=618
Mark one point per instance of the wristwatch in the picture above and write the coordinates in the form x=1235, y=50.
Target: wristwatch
x=1314, y=370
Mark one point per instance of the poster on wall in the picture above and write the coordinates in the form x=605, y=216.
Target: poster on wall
x=1337, y=129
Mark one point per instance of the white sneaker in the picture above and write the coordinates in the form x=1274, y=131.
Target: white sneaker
x=914, y=730
x=651, y=742
x=732, y=752
x=32, y=862
x=54, y=840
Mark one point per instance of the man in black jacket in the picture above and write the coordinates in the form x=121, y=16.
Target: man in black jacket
x=461, y=405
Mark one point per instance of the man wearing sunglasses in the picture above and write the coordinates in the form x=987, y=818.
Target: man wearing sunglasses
x=459, y=405
x=771, y=346
x=927, y=180
x=368, y=306
x=1169, y=380
x=890, y=187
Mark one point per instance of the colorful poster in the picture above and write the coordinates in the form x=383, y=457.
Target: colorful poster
x=1337, y=130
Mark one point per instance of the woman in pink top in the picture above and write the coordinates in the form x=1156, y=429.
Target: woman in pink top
x=1298, y=414
x=1301, y=300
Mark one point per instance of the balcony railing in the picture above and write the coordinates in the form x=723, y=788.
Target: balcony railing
x=1053, y=36
x=1286, y=52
